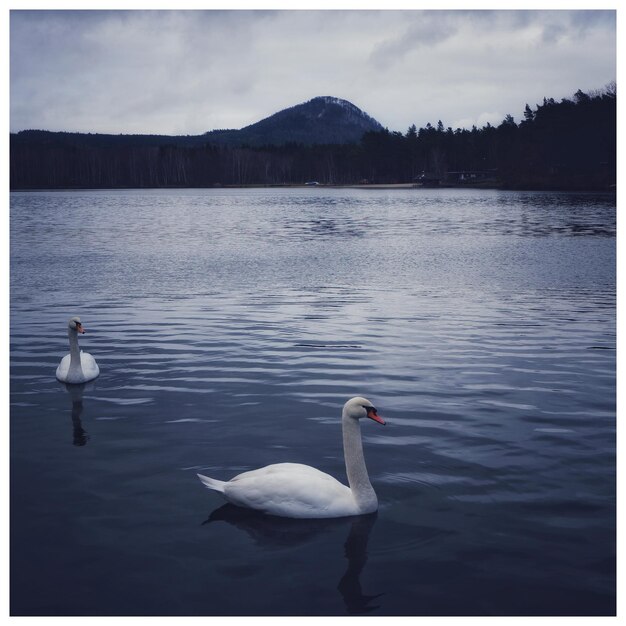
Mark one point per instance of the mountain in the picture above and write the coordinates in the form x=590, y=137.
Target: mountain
x=322, y=120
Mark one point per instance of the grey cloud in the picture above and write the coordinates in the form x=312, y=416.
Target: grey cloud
x=575, y=24
x=424, y=32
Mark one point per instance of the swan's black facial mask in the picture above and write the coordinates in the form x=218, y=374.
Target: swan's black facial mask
x=373, y=415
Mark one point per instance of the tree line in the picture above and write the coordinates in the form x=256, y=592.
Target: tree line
x=570, y=144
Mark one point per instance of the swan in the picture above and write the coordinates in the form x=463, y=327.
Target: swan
x=77, y=366
x=301, y=491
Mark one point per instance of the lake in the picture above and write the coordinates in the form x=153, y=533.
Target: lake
x=230, y=326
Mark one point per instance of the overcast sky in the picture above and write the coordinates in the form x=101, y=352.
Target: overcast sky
x=187, y=72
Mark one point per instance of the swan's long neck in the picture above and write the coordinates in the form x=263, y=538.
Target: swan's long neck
x=74, y=352
x=356, y=470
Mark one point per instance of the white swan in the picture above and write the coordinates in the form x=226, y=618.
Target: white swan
x=77, y=366
x=295, y=490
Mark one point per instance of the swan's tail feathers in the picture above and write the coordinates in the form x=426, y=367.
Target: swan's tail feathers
x=211, y=483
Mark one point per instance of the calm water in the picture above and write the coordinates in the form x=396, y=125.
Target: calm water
x=230, y=326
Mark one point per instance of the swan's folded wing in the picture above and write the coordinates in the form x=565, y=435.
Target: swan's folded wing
x=63, y=368
x=291, y=490
x=89, y=366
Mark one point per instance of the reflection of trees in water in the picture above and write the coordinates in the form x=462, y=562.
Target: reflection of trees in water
x=80, y=436
x=343, y=227
x=273, y=531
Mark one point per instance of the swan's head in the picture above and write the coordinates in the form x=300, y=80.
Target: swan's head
x=75, y=324
x=358, y=407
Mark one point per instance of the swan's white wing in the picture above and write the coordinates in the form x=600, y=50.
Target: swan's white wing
x=291, y=490
x=89, y=366
x=63, y=368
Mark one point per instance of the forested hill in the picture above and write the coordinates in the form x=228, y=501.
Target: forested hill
x=322, y=120
x=570, y=144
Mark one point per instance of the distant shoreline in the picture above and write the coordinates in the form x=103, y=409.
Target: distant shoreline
x=373, y=187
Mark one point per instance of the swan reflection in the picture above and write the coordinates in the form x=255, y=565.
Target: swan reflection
x=80, y=436
x=272, y=531
x=356, y=552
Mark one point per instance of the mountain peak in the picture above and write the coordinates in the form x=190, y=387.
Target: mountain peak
x=323, y=119
x=333, y=100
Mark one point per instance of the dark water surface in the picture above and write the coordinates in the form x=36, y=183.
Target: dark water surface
x=230, y=326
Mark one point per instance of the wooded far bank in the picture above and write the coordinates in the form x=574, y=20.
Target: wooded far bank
x=569, y=144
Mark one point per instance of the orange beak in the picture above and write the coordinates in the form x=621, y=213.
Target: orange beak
x=80, y=329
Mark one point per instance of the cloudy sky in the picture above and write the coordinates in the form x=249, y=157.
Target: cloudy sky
x=186, y=72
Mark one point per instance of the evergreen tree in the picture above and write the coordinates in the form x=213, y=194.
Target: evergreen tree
x=529, y=116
